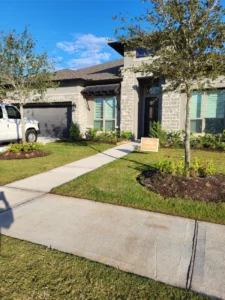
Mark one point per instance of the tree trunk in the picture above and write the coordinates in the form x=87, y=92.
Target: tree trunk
x=22, y=124
x=187, y=131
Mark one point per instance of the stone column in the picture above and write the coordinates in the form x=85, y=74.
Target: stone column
x=128, y=102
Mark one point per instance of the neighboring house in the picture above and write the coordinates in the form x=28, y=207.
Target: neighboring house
x=111, y=96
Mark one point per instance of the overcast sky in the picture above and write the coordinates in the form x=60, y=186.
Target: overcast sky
x=74, y=32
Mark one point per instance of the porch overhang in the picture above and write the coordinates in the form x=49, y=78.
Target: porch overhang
x=101, y=90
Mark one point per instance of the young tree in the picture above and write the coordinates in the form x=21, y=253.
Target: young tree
x=187, y=37
x=24, y=74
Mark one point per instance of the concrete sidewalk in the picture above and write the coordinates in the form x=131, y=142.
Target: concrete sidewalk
x=176, y=251
x=46, y=181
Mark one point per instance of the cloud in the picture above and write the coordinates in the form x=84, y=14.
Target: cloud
x=88, y=50
x=58, y=62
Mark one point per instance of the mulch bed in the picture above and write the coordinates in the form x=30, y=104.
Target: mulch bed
x=95, y=141
x=23, y=155
x=207, y=189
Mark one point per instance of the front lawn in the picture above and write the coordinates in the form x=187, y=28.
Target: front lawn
x=116, y=183
x=30, y=271
x=62, y=153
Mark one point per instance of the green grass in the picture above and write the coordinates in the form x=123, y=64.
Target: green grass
x=62, y=153
x=30, y=271
x=116, y=183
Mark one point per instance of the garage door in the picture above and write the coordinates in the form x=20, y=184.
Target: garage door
x=54, y=118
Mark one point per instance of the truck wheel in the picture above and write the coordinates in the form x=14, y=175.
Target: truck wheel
x=31, y=136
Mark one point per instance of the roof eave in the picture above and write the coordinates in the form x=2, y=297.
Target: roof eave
x=118, y=47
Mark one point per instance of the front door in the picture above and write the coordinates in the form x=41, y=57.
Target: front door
x=151, y=113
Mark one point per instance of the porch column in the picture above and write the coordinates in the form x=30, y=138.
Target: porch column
x=129, y=102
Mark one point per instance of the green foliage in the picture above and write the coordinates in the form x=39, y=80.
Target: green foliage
x=18, y=147
x=23, y=70
x=187, y=41
x=197, y=168
x=110, y=135
x=24, y=73
x=175, y=138
x=74, y=132
x=92, y=133
x=185, y=36
x=156, y=131
x=126, y=135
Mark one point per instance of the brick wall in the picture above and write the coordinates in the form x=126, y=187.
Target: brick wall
x=170, y=111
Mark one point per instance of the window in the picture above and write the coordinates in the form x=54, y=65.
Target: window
x=144, y=52
x=208, y=111
x=105, y=114
x=12, y=112
x=1, y=113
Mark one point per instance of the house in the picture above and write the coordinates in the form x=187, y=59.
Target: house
x=111, y=96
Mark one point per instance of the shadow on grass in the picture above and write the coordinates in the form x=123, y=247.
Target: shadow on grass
x=141, y=166
x=6, y=215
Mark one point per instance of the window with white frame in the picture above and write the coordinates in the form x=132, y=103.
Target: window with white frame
x=208, y=111
x=105, y=113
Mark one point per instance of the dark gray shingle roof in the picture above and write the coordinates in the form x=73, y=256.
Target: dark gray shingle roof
x=106, y=71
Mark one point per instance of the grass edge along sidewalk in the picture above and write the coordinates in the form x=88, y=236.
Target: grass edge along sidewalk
x=62, y=153
x=116, y=183
x=31, y=271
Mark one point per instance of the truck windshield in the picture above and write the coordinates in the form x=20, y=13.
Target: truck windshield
x=12, y=112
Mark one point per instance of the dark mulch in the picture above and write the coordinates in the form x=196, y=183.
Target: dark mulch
x=23, y=155
x=207, y=189
x=110, y=142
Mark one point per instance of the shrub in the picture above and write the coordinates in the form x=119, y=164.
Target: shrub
x=197, y=168
x=209, y=141
x=109, y=135
x=126, y=135
x=17, y=147
x=156, y=131
x=74, y=132
x=92, y=133
x=176, y=138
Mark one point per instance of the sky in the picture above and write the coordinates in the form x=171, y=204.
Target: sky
x=74, y=32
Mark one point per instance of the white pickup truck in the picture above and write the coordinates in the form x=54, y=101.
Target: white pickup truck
x=11, y=128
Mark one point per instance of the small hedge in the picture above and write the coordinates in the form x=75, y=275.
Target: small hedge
x=175, y=139
x=19, y=147
x=110, y=136
x=198, y=168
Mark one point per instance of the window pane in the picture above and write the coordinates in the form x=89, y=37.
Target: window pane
x=1, y=113
x=98, y=124
x=196, y=105
x=143, y=52
x=215, y=104
x=196, y=126
x=214, y=125
x=110, y=125
x=110, y=108
x=12, y=112
x=98, y=108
